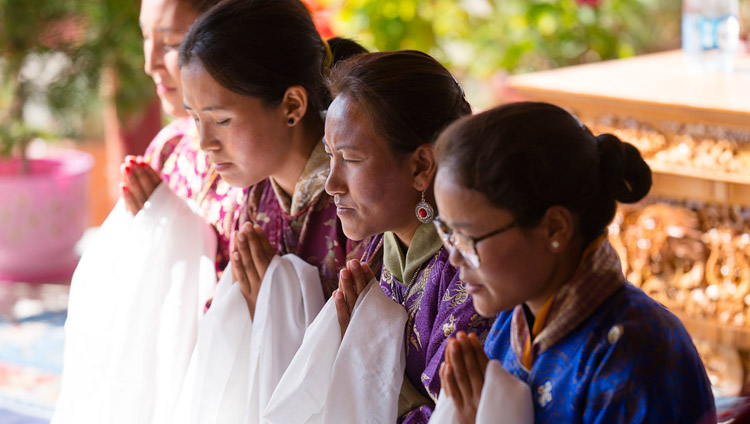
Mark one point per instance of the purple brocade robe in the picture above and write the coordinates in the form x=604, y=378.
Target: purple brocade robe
x=438, y=306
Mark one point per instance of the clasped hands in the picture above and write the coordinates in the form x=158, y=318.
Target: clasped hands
x=137, y=182
x=462, y=374
x=352, y=281
x=251, y=256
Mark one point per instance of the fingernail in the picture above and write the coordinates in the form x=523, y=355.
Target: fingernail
x=236, y=256
x=123, y=187
x=241, y=236
x=345, y=273
x=355, y=264
x=131, y=161
x=127, y=169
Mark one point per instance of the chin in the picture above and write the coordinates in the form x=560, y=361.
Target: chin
x=487, y=308
x=171, y=109
x=353, y=231
x=482, y=308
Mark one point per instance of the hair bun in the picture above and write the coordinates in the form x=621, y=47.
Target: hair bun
x=622, y=169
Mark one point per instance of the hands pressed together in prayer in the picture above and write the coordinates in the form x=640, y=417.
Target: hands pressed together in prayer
x=352, y=281
x=251, y=255
x=462, y=374
x=137, y=181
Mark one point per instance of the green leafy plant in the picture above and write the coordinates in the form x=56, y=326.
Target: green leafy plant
x=57, y=52
x=482, y=36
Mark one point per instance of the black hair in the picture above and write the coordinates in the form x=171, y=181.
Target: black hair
x=526, y=157
x=409, y=96
x=201, y=5
x=260, y=48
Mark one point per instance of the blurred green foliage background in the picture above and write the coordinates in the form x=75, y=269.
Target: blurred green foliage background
x=482, y=36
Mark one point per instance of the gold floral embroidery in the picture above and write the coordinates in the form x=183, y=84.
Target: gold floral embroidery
x=459, y=296
x=426, y=382
x=477, y=323
x=450, y=326
x=416, y=292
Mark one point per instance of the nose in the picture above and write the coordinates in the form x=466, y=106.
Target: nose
x=208, y=141
x=455, y=257
x=153, y=56
x=335, y=183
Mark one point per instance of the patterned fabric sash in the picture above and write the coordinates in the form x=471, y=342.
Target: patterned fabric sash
x=598, y=276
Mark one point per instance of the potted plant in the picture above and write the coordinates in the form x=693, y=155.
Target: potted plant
x=53, y=53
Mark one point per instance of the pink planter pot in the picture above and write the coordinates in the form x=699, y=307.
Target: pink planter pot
x=42, y=216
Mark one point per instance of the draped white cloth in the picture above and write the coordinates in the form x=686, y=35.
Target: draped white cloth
x=354, y=380
x=238, y=361
x=505, y=399
x=135, y=301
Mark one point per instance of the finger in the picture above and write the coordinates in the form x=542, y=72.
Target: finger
x=246, y=256
x=260, y=259
x=459, y=367
x=267, y=248
x=443, y=379
x=347, y=286
x=234, y=268
x=481, y=357
x=341, y=311
x=134, y=184
x=369, y=275
x=239, y=273
x=130, y=203
x=147, y=184
x=358, y=276
x=151, y=174
x=473, y=372
x=452, y=386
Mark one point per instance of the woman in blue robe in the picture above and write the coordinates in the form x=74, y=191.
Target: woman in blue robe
x=525, y=194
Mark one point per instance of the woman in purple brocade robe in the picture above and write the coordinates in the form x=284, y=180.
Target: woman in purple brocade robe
x=388, y=109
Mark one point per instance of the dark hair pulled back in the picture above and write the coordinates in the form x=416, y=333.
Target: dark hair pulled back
x=526, y=157
x=409, y=96
x=201, y=6
x=260, y=48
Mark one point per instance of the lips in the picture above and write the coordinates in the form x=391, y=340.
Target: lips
x=223, y=166
x=163, y=89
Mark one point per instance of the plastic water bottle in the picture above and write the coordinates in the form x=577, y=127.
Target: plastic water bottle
x=710, y=34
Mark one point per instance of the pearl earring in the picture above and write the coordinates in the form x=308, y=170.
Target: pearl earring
x=555, y=244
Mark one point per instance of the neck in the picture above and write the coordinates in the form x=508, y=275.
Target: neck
x=406, y=234
x=304, y=136
x=562, y=271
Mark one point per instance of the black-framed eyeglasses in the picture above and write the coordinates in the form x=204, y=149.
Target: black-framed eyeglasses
x=466, y=246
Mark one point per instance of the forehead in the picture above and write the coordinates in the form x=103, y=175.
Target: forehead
x=453, y=198
x=348, y=123
x=200, y=88
x=170, y=15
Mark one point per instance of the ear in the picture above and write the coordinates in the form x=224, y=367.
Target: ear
x=424, y=166
x=294, y=104
x=557, y=228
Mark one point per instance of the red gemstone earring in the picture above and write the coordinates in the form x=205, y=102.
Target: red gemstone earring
x=424, y=211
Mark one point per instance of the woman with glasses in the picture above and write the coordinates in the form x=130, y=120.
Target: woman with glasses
x=387, y=111
x=525, y=193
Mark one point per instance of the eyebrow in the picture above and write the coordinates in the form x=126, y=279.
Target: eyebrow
x=205, y=109
x=162, y=29
x=458, y=225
